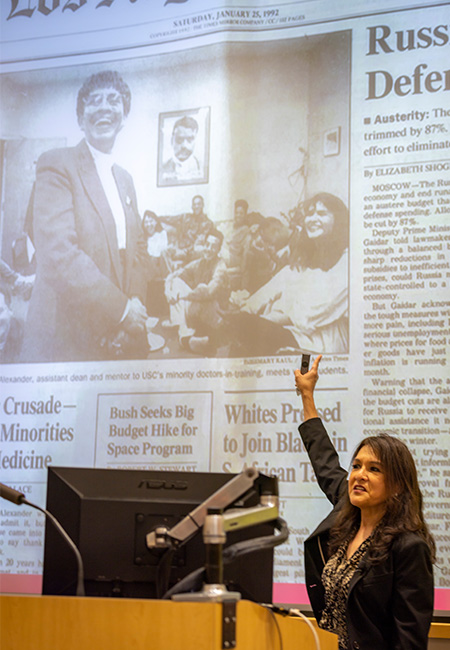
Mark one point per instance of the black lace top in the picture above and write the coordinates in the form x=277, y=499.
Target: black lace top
x=336, y=577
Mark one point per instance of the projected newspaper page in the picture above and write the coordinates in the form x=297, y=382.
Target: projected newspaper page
x=194, y=196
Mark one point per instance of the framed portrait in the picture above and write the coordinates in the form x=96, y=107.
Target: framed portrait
x=332, y=141
x=183, y=147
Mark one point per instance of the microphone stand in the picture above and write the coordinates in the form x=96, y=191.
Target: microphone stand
x=216, y=524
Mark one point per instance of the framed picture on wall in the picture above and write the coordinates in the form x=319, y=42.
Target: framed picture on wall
x=332, y=141
x=183, y=147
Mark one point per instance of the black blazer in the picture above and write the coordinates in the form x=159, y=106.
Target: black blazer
x=390, y=604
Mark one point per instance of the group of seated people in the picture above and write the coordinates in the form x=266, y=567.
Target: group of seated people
x=268, y=287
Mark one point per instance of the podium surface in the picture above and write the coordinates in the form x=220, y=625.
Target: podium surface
x=70, y=623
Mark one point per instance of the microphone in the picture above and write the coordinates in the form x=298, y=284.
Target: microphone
x=18, y=498
x=10, y=494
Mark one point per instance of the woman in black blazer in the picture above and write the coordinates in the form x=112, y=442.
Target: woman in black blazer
x=368, y=565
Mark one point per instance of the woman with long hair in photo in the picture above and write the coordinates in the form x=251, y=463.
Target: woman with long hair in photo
x=304, y=306
x=157, y=263
x=368, y=565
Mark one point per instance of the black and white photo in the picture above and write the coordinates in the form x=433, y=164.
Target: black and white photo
x=183, y=147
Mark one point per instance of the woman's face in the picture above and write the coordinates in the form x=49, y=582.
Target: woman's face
x=319, y=221
x=367, y=482
x=102, y=118
x=150, y=225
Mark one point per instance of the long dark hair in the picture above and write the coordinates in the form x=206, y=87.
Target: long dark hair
x=403, y=506
x=152, y=215
x=324, y=252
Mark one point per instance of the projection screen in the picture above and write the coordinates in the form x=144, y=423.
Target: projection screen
x=288, y=109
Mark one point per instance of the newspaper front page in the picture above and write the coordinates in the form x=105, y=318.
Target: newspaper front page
x=279, y=105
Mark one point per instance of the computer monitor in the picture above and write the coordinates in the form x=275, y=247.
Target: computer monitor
x=108, y=513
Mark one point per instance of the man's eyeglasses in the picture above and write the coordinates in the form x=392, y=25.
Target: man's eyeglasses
x=95, y=100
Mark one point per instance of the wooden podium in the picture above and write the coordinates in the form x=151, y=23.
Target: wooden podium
x=70, y=623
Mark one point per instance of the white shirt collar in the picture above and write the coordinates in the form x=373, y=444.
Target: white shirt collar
x=101, y=158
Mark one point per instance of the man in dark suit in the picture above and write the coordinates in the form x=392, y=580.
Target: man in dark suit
x=86, y=301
